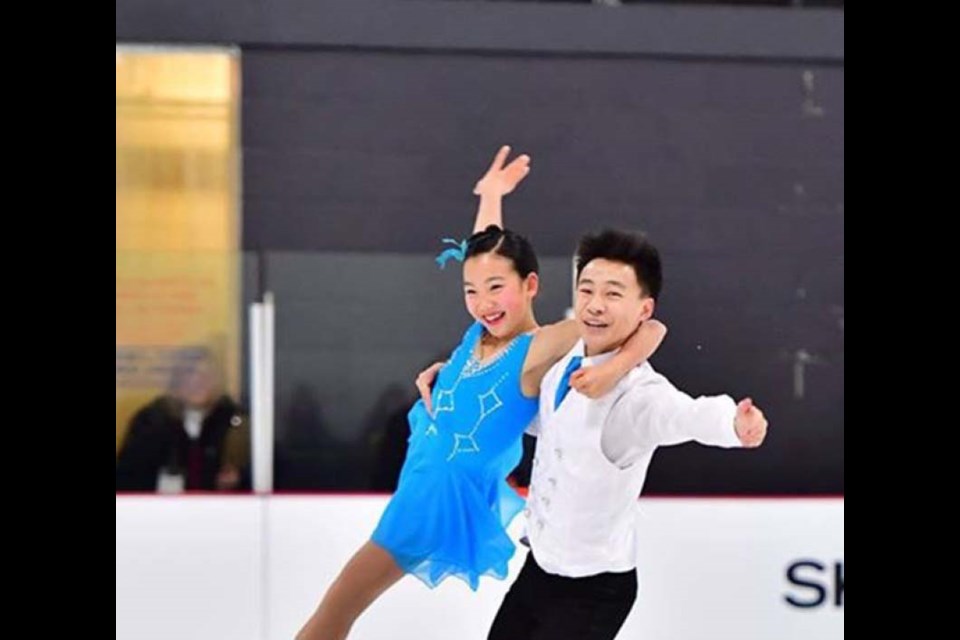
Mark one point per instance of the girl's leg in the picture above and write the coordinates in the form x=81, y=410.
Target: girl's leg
x=369, y=573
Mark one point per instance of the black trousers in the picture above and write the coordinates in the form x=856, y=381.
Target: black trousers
x=542, y=606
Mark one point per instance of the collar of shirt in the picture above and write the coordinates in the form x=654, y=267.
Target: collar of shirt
x=590, y=361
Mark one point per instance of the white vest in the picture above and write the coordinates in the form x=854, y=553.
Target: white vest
x=581, y=508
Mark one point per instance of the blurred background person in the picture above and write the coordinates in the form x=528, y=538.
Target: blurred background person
x=194, y=437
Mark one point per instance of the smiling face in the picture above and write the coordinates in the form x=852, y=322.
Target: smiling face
x=497, y=296
x=610, y=304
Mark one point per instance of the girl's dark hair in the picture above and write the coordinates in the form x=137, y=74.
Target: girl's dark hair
x=506, y=243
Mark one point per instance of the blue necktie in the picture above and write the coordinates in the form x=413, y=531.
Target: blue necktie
x=564, y=387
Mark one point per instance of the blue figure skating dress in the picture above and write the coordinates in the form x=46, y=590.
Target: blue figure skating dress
x=449, y=514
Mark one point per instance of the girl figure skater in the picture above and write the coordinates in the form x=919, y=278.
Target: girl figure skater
x=449, y=514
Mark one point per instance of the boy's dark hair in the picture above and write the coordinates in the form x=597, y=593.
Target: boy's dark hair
x=630, y=248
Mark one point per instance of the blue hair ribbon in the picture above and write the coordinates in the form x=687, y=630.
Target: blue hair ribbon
x=456, y=252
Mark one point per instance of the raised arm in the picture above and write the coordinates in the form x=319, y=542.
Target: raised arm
x=498, y=181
